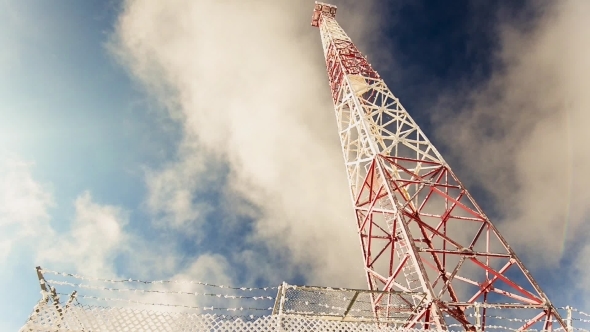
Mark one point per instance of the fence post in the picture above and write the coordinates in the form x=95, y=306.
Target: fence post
x=283, y=293
x=477, y=316
x=44, y=292
x=568, y=320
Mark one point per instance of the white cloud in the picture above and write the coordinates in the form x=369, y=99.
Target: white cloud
x=524, y=136
x=97, y=240
x=247, y=81
x=211, y=268
x=171, y=194
x=96, y=234
x=95, y=237
x=207, y=268
x=24, y=205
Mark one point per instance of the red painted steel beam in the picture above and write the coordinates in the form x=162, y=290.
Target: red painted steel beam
x=508, y=281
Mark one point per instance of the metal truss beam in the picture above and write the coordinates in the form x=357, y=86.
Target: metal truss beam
x=419, y=228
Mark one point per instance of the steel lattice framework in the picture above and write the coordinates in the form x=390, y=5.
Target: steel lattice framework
x=420, y=230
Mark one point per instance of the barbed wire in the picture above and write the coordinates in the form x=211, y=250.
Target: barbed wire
x=330, y=309
x=192, y=282
x=204, y=308
x=138, y=290
x=578, y=311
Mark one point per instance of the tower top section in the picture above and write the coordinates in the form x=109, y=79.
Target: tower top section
x=322, y=9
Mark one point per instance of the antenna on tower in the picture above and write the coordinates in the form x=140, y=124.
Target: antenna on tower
x=420, y=229
x=322, y=9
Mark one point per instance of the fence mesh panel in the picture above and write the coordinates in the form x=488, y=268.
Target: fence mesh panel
x=135, y=305
x=346, y=304
x=49, y=317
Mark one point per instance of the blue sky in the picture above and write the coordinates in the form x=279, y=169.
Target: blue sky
x=62, y=88
x=198, y=139
x=73, y=113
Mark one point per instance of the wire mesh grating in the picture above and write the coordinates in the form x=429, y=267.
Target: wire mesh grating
x=346, y=304
x=180, y=305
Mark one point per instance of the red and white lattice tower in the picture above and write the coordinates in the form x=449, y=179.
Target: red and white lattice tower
x=420, y=230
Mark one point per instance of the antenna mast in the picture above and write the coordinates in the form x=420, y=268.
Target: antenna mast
x=420, y=230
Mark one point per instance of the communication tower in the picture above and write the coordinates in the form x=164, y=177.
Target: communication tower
x=419, y=228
